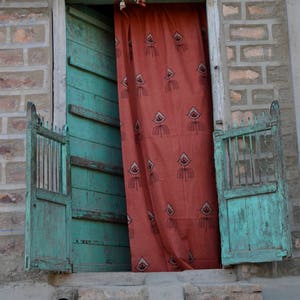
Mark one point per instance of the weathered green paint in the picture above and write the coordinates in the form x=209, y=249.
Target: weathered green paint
x=253, y=210
x=48, y=212
x=96, y=165
x=92, y=115
x=99, y=228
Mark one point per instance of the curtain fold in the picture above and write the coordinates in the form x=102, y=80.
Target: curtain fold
x=166, y=129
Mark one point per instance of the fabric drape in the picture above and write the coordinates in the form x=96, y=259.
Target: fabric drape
x=166, y=128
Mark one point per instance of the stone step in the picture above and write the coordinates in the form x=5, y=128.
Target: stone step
x=180, y=291
x=136, y=279
x=187, y=285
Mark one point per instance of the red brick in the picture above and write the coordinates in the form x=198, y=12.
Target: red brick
x=235, y=96
x=230, y=51
x=11, y=245
x=278, y=74
x=231, y=11
x=236, y=117
x=11, y=57
x=28, y=34
x=239, y=117
x=11, y=221
x=2, y=35
x=262, y=96
x=264, y=10
x=21, y=80
x=9, y=103
x=21, y=15
x=16, y=125
x=238, y=97
x=244, y=75
x=256, y=53
x=15, y=172
x=43, y=104
x=279, y=33
x=42, y=101
x=12, y=197
x=11, y=148
x=248, y=32
x=38, y=56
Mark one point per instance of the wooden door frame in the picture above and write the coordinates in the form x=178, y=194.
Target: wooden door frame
x=221, y=107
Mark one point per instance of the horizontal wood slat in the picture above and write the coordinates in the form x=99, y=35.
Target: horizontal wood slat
x=49, y=196
x=236, y=132
x=92, y=61
x=91, y=115
x=99, y=216
x=89, y=19
x=92, y=84
x=253, y=191
x=49, y=133
x=96, y=165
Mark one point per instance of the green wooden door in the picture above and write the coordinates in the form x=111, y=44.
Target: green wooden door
x=251, y=191
x=99, y=227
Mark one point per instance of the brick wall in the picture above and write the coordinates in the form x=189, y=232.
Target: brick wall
x=25, y=68
x=256, y=51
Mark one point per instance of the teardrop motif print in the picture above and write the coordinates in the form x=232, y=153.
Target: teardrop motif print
x=160, y=129
x=140, y=85
x=150, y=45
x=172, y=84
x=194, y=116
x=185, y=172
x=202, y=70
x=170, y=210
x=206, y=209
x=142, y=265
x=138, y=136
x=179, y=42
x=135, y=180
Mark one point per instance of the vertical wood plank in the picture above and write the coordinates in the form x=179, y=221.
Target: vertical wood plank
x=220, y=107
x=59, y=62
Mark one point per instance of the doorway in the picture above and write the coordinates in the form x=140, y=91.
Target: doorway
x=99, y=233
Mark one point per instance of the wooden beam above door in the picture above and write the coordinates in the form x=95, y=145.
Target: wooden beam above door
x=100, y=2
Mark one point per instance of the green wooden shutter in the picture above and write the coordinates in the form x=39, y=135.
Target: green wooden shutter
x=251, y=190
x=48, y=201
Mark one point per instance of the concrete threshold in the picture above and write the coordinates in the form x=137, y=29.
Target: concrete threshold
x=188, y=285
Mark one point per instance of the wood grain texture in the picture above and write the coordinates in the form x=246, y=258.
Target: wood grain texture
x=48, y=214
x=99, y=223
x=252, y=216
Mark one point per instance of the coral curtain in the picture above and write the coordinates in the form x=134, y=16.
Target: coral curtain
x=166, y=129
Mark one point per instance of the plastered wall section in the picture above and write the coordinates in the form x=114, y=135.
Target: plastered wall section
x=258, y=70
x=25, y=75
